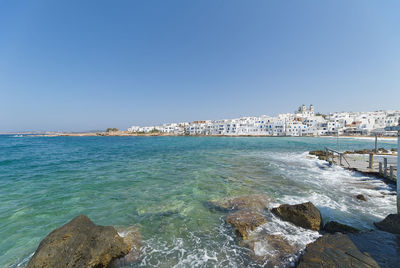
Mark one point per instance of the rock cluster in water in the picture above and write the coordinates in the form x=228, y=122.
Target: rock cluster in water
x=81, y=243
x=246, y=214
x=335, y=248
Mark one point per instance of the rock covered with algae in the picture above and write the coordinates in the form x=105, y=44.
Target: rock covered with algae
x=80, y=243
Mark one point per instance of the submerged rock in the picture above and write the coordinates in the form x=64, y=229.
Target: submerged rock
x=390, y=224
x=258, y=202
x=361, y=197
x=131, y=236
x=336, y=227
x=271, y=250
x=245, y=221
x=335, y=251
x=80, y=243
x=305, y=215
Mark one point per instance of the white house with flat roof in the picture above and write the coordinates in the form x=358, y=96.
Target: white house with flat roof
x=304, y=122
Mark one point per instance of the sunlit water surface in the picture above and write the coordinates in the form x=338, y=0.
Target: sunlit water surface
x=162, y=185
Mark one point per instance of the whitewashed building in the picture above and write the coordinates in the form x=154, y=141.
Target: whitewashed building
x=304, y=122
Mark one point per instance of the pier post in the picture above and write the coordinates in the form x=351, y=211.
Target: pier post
x=391, y=173
x=385, y=167
x=398, y=170
x=340, y=159
x=397, y=128
x=380, y=168
x=371, y=160
x=376, y=142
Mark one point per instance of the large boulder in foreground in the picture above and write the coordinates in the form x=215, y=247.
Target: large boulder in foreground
x=390, y=224
x=258, y=202
x=80, y=243
x=245, y=221
x=336, y=227
x=305, y=215
x=335, y=251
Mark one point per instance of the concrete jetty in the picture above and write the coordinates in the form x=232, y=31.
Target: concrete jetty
x=382, y=164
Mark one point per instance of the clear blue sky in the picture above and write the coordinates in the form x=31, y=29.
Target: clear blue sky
x=83, y=65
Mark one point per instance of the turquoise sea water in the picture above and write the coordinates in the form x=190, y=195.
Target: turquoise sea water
x=162, y=184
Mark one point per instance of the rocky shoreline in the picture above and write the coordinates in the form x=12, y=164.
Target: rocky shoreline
x=81, y=243
x=335, y=247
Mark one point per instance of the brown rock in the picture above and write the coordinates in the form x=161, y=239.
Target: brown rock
x=317, y=152
x=335, y=251
x=271, y=250
x=132, y=237
x=305, y=215
x=363, y=151
x=336, y=227
x=80, y=243
x=390, y=224
x=321, y=155
x=257, y=202
x=245, y=221
x=361, y=197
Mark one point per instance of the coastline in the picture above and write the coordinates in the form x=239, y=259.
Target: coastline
x=130, y=134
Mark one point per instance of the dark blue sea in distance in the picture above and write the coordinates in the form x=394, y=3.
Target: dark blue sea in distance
x=161, y=185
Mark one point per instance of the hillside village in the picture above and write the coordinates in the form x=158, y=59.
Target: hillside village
x=304, y=122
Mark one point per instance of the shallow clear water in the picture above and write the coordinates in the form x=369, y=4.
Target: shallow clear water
x=162, y=185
